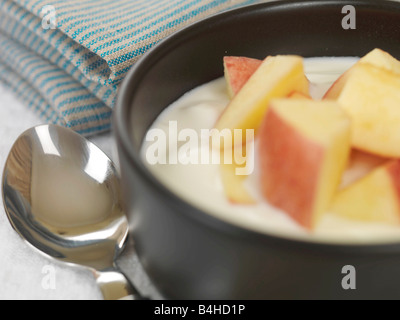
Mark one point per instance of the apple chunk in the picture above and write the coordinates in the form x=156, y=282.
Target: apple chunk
x=371, y=97
x=382, y=59
x=236, y=166
x=360, y=164
x=377, y=58
x=276, y=77
x=337, y=87
x=234, y=186
x=304, y=148
x=238, y=71
x=374, y=198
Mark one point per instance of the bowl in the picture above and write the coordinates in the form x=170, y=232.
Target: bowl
x=190, y=254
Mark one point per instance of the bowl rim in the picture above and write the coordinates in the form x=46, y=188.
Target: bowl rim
x=122, y=116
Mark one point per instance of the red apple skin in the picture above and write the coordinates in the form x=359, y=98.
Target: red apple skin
x=238, y=70
x=289, y=176
x=337, y=87
x=393, y=170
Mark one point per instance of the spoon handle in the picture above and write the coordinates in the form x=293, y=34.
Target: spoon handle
x=114, y=285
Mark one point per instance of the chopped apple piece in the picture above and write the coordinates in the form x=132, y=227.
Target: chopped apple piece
x=376, y=57
x=238, y=71
x=360, y=164
x=235, y=171
x=382, y=59
x=335, y=90
x=371, y=97
x=234, y=187
x=276, y=77
x=304, y=148
x=374, y=198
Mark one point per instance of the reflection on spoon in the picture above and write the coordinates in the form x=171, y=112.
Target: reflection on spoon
x=61, y=194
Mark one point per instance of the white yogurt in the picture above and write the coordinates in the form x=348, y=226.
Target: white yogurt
x=201, y=185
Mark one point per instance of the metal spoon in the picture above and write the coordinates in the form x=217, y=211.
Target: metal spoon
x=61, y=194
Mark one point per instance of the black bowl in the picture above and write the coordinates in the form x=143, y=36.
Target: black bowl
x=190, y=254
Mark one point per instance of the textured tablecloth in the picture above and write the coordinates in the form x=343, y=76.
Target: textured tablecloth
x=66, y=59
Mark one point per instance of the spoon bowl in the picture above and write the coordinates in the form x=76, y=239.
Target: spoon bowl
x=61, y=194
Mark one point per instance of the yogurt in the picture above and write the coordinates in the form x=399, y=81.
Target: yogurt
x=201, y=186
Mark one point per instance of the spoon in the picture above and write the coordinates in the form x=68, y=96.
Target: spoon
x=61, y=194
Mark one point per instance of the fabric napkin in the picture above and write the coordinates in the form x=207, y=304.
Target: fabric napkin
x=66, y=59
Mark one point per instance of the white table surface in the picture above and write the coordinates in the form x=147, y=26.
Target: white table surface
x=25, y=273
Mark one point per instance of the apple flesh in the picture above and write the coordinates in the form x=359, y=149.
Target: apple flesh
x=377, y=58
x=370, y=93
x=276, y=77
x=371, y=97
x=374, y=198
x=238, y=71
x=304, y=147
x=382, y=59
x=236, y=166
x=234, y=185
x=360, y=165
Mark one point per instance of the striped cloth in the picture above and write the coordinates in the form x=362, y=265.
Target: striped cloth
x=66, y=59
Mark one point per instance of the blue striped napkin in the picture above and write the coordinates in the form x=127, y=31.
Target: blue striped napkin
x=66, y=59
